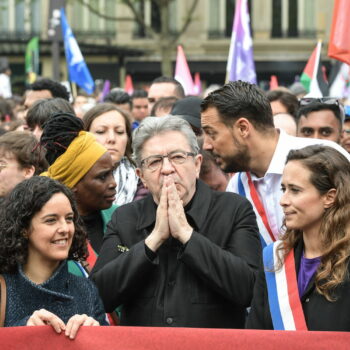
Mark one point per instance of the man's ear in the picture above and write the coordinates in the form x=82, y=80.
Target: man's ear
x=198, y=162
x=139, y=173
x=28, y=172
x=329, y=198
x=242, y=126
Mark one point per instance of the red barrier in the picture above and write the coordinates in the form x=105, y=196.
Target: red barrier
x=132, y=338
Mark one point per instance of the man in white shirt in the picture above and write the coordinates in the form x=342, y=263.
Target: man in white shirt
x=239, y=131
x=5, y=83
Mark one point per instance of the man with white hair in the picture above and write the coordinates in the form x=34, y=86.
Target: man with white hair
x=184, y=256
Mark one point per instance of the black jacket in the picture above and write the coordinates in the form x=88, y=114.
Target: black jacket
x=206, y=283
x=320, y=314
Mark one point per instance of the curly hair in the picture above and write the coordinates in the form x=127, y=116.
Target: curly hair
x=56, y=89
x=17, y=212
x=329, y=170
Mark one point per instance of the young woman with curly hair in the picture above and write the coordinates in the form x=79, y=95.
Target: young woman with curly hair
x=305, y=285
x=40, y=229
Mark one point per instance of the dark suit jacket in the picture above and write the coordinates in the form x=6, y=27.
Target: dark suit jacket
x=320, y=314
x=206, y=283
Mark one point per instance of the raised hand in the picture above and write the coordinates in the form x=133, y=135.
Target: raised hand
x=178, y=224
x=161, y=231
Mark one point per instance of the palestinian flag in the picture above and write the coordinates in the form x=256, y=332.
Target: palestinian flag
x=313, y=77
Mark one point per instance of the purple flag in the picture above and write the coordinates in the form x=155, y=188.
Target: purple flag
x=240, y=63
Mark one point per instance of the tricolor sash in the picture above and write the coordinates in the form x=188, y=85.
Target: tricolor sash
x=283, y=294
x=247, y=189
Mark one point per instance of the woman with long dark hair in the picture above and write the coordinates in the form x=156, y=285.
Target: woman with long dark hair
x=40, y=229
x=305, y=285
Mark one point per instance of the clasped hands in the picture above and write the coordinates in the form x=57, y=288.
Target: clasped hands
x=170, y=219
x=43, y=317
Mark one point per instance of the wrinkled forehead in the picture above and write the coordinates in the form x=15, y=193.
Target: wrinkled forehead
x=165, y=142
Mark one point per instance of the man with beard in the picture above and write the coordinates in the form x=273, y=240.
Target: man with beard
x=184, y=256
x=239, y=131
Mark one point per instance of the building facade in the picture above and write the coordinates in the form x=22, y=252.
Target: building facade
x=284, y=34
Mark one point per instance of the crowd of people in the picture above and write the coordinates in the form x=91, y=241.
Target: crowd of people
x=229, y=210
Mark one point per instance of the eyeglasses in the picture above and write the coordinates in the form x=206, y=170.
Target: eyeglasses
x=326, y=100
x=153, y=163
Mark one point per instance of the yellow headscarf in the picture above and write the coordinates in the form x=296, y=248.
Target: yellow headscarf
x=77, y=160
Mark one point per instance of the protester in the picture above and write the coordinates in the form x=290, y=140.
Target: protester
x=139, y=107
x=81, y=163
x=175, y=257
x=5, y=80
x=164, y=87
x=211, y=173
x=345, y=139
x=239, y=131
x=283, y=102
x=163, y=106
x=44, y=88
x=189, y=109
x=311, y=261
x=120, y=98
x=20, y=159
x=111, y=127
x=39, y=231
x=320, y=118
x=42, y=110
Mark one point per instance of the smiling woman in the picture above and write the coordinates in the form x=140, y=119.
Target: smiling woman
x=39, y=231
x=84, y=165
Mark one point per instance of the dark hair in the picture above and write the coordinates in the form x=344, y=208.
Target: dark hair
x=179, y=90
x=164, y=103
x=319, y=106
x=139, y=94
x=17, y=212
x=118, y=97
x=286, y=98
x=102, y=108
x=56, y=88
x=241, y=99
x=58, y=133
x=42, y=110
x=23, y=145
x=329, y=170
x=6, y=113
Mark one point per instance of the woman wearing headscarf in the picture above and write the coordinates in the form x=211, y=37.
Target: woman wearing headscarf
x=81, y=163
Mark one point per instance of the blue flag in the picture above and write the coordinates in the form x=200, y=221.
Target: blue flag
x=77, y=68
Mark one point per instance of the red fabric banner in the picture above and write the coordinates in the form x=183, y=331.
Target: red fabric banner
x=132, y=338
x=339, y=42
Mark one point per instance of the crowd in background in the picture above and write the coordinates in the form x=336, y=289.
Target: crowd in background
x=120, y=196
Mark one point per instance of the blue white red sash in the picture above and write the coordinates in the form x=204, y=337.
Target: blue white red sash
x=247, y=189
x=283, y=294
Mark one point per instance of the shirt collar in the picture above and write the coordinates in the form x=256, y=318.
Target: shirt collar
x=197, y=212
x=280, y=155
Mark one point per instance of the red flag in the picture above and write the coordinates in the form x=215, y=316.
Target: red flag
x=273, y=82
x=197, y=87
x=128, y=85
x=339, y=42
